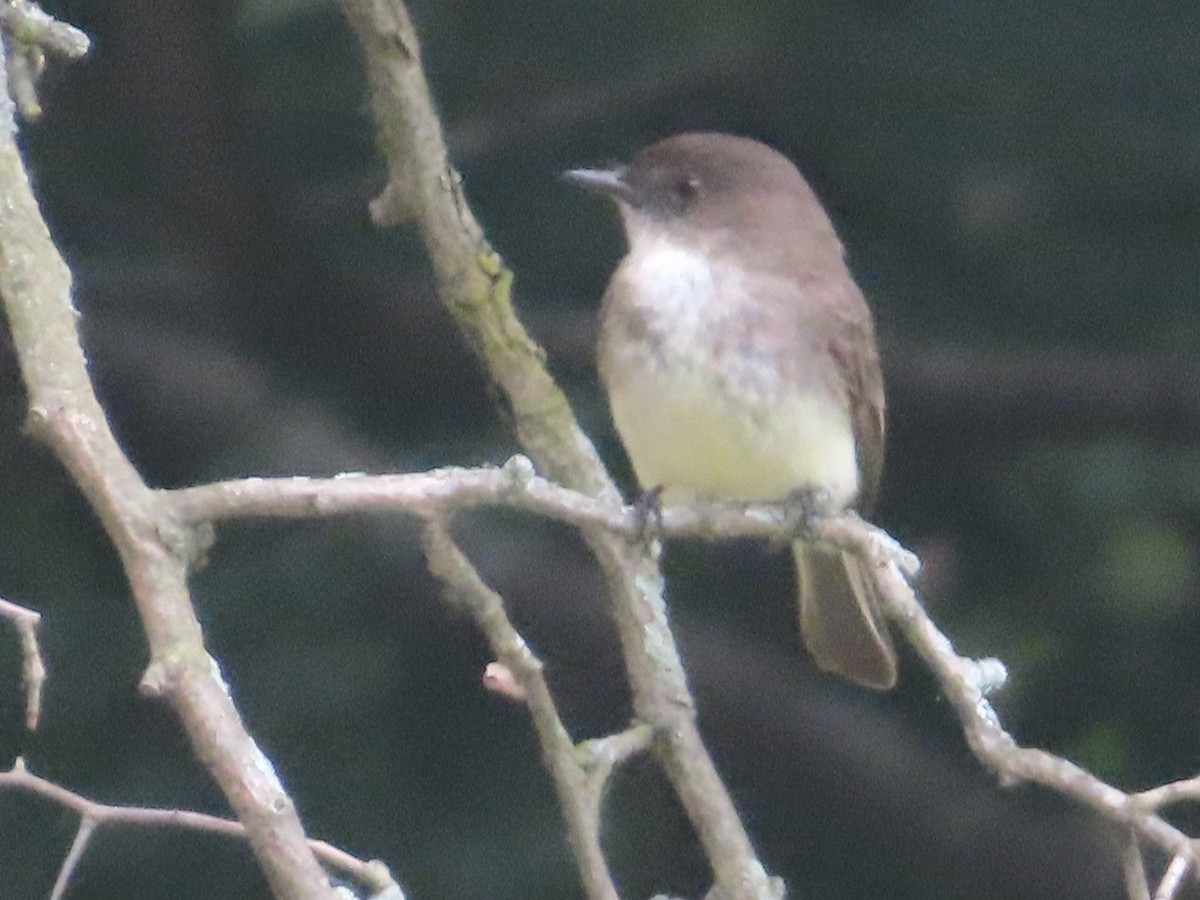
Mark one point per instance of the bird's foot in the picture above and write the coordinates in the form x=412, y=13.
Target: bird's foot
x=801, y=508
x=647, y=512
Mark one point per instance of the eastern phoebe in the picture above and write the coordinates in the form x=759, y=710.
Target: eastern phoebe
x=740, y=361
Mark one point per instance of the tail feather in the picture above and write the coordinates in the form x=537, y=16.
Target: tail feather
x=840, y=617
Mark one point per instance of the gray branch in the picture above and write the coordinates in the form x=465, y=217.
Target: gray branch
x=474, y=286
x=966, y=683
x=155, y=550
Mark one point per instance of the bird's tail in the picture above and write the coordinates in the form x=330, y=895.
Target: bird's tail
x=840, y=616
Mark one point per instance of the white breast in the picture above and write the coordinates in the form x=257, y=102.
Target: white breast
x=739, y=434
x=676, y=283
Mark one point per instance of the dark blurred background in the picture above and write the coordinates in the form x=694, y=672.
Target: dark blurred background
x=1018, y=185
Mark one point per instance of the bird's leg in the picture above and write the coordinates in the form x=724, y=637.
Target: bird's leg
x=647, y=511
x=800, y=508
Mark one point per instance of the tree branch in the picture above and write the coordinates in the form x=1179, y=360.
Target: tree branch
x=965, y=682
x=441, y=492
x=580, y=804
x=155, y=550
x=475, y=286
x=371, y=873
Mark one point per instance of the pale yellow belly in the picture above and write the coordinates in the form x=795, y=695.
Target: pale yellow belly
x=683, y=433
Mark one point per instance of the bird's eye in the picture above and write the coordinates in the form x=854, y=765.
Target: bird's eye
x=687, y=189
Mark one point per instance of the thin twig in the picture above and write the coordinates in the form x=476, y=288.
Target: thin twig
x=600, y=756
x=29, y=34
x=33, y=665
x=1174, y=792
x=28, y=23
x=371, y=873
x=83, y=835
x=966, y=683
x=513, y=485
x=1173, y=879
x=580, y=806
x=1137, y=884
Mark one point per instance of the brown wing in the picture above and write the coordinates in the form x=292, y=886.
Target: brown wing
x=852, y=344
x=836, y=323
x=810, y=295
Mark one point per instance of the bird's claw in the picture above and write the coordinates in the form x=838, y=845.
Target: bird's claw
x=647, y=511
x=800, y=508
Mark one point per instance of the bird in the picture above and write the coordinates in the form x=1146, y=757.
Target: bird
x=740, y=362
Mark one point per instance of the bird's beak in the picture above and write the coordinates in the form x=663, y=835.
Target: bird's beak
x=610, y=182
